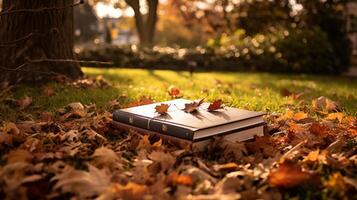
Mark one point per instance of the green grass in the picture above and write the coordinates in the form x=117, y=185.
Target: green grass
x=255, y=91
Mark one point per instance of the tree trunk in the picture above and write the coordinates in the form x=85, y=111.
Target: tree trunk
x=36, y=40
x=151, y=20
x=145, y=27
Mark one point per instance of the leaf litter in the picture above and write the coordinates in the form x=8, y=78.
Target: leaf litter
x=76, y=153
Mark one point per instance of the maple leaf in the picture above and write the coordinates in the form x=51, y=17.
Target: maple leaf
x=192, y=107
x=299, y=116
x=178, y=179
x=162, y=108
x=174, y=92
x=82, y=183
x=24, y=102
x=217, y=104
x=288, y=175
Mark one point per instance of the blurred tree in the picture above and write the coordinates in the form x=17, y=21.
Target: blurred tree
x=329, y=16
x=145, y=23
x=85, y=23
x=36, y=40
x=108, y=35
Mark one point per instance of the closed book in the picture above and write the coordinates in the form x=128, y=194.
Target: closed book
x=196, y=126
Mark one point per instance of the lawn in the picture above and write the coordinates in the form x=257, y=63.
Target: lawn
x=255, y=91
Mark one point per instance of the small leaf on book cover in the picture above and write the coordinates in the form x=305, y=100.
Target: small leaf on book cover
x=192, y=107
x=215, y=105
x=162, y=108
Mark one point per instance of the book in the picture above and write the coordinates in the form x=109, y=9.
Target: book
x=199, y=126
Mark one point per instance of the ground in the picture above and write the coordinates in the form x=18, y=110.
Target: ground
x=255, y=91
x=57, y=142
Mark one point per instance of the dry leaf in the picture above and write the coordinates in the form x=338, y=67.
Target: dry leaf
x=192, y=107
x=335, y=116
x=324, y=104
x=19, y=155
x=104, y=157
x=299, y=116
x=226, y=167
x=288, y=175
x=174, y=92
x=132, y=191
x=82, y=183
x=217, y=104
x=162, y=108
x=177, y=179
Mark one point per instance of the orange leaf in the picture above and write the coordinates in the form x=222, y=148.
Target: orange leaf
x=318, y=129
x=288, y=176
x=178, y=179
x=353, y=131
x=162, y=108
x=217, y=104
x=299, y=116
x=174, y=92
x=192, y=107
x=333, y=116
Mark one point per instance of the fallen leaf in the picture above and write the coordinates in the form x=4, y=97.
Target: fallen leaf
x=132, y=191
x=177, y=179
x=162, y=108
x=144, y=100
x=324, y=104
x=299, y=116
x=288, y=175
x=82, y=183
x=24, y=102
x=217, y=104
x=337, y=183
x=335, y=116
x=105, y=157
x=192, y=107
x=226, y=167
x=19, y=155
x=174, y=92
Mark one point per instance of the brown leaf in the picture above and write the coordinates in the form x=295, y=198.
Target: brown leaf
x=217, y=104
x=226, y=167
x=19, y=155
x=24, y=102
x=105, y=157
x=324, y=104
x=162, y=108
x=174, y=92
x=192, y=107
x=144, y=100
x=82, y=183
x=262, y=144
x=288, y=175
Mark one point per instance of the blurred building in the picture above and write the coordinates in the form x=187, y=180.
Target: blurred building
x=121, y=30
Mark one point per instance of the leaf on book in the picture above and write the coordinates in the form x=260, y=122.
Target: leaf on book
x=192, y=107
x=217, y=104
x=162, y=108
x=174, y=92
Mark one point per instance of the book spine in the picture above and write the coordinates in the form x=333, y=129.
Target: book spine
x=153, y=125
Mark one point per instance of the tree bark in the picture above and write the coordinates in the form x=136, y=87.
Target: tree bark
x=36, y=40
